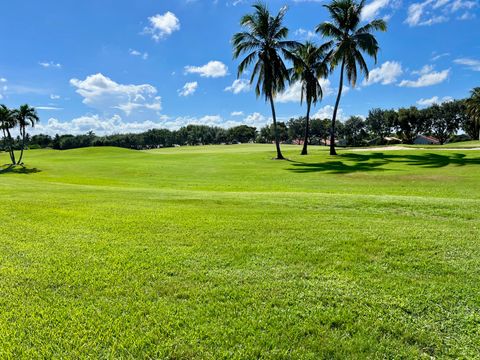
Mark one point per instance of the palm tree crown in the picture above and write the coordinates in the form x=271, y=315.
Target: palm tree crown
x=310, y=63
x=26, y=116
x=349, y=38
x=264, y=42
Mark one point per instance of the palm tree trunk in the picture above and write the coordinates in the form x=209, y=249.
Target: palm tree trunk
x=307, y=130
x=275, y=130
x=335, y=110
x=10, y=147
x=22, y=131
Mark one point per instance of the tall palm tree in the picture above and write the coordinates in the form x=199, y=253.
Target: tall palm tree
x=473, y=111
x=8, y=122
x=350, y=40
x=264, y=42
x=26, y=116
x=310, y=63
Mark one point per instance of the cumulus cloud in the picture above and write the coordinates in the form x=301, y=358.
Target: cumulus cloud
x=107, y=125
x=431, y=12
x=428, y=77
x=387, y=73
x=304, y=34
x=188, y=89
x=372, y=9
x=239, y=86
x=162, y=26
x=102, y=93
x=326, y=112
x=213, y=69
x=434, y=100
x=294, y=92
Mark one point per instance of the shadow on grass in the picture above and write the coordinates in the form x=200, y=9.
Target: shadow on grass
x=349, y=163
x=17, y=169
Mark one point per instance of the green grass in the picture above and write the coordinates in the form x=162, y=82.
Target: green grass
x=457, y=145
x=220, y=252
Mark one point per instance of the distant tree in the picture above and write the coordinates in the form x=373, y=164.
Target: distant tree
x=296, y=128
x=8, y=122
x=349, y=40
x=379, y=123
x=410, y=123
x=472, y=125
x=354, y=131
x=26, y=116
x=321, y=130
x=444, y=120
x=310, y=63
x=242, y=134
x=264, y=42
x=41, y=140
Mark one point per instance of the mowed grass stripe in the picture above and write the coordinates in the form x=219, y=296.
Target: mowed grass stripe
x=138, y=268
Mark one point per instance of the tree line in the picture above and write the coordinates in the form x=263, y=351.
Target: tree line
x=380, y=127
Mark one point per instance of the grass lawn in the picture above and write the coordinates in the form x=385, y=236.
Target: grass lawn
x=457, y=145
x=220, y=252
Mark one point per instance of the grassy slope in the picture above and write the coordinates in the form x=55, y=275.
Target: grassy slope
x=458, y=145
x=219, y=252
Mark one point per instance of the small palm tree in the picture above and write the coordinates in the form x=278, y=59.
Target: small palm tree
x=26, y=116
x=310, y=63
x=264, y=42
x=473, y=111
x=8, y=122
x=350, y=40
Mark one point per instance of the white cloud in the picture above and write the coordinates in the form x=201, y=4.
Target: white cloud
x=137, y=53
x=50, y=64
x=428, y=77
x=100, y=92
x=213, y=69
x=115, y=124
x=304, y=34
x=372, y=9
x=238, y=86
x=48, y=108
x=237, y=113
x=294, y=92
x=326, y=112
x=188, y=89
x=434, y=100
x=471, y=64
x=431, y=12
x=54, y=97
x=386, y=74
x=162, y=26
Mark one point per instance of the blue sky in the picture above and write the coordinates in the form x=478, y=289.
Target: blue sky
x=116, y=65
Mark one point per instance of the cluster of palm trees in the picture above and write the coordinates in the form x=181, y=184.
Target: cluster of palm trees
x=264, y=43
x=11, y=119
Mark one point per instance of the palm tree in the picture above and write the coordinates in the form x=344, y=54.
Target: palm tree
x=310, y=63
x=473, y=111
x=8, y=122
x=264, y=42
x=26, y=116
x=350, y=40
